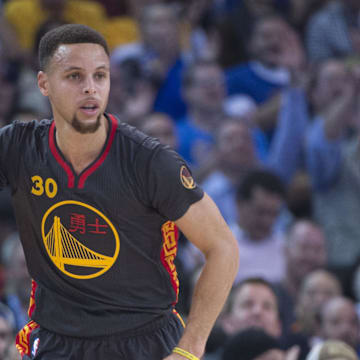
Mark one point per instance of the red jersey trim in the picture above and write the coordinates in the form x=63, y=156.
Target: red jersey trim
x=32, y=303
x=103, y=156
x=22, y=341
x=170, y=234
x=59, y=159
x=88, y=172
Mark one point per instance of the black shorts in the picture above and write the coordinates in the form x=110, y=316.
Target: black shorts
x=153, y=341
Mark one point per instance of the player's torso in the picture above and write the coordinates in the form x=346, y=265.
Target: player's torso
x=90, y=236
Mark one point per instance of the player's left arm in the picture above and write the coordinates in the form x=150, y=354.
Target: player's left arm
x=203, y=225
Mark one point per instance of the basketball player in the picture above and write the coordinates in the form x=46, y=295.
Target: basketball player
x=99, y=206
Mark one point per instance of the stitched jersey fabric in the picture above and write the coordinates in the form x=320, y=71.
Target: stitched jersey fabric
x=99, y=245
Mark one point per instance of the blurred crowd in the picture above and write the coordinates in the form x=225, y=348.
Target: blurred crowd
x=262, y=99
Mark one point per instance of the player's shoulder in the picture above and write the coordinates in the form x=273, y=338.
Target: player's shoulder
x=32, y=126
x=140, y=147
x=29, y=128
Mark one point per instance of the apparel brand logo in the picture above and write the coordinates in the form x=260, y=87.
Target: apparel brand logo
x=80, y=241
x=35, y=347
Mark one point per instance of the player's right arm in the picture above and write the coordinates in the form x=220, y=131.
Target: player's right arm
x=8, y=144
x=204, y=226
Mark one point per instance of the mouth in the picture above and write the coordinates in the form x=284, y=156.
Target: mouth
x=90, y=108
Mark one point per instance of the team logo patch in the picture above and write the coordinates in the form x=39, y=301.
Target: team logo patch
x=186, y=178
x=80, y=241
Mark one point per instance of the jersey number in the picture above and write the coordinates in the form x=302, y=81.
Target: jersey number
x=38, y=188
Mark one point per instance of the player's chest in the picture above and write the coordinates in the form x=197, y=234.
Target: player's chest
x=105, y=188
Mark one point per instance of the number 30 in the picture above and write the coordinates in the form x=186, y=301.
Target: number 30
x=38, y=189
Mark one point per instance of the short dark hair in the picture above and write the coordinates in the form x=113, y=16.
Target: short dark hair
x=263, y=179
x=248, y=281
x=67, y=34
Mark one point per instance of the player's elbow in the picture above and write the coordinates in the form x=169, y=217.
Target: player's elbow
x=227, y=254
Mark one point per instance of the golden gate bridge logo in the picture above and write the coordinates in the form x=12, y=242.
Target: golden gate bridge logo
x=68, y=253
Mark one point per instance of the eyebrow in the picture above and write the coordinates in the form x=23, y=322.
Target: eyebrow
x=72, y=68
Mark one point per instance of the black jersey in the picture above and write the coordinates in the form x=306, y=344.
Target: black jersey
x=100, y=245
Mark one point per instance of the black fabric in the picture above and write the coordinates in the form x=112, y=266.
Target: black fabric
x=101, y=244
x=153, y=341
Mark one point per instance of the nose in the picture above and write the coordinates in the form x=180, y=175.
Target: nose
x=89, y=87
x=257, y=310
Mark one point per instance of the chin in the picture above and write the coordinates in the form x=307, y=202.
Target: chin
x=84, y=127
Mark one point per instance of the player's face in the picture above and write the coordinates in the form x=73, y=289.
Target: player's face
x=77, y=83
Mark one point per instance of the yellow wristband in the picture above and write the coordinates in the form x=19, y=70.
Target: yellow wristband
x=184, y=353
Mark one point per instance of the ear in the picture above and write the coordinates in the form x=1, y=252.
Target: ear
x=43, y=83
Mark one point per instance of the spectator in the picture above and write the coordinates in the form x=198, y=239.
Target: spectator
x=253, y=344
x=7, y=334
x=235, y=27
x=284, y=156
x=260, y=198
x=159, y=53
x=331, y=349
x=317, y=288
x=275, y=52
x=132, y=91
x=334, y=31
x=9, y=45
x=332, y=159
x=26, y=16
x=305, y=252
x=204, y=93
x=300, y=11
x=117, y=8
x=200, y=34
x=233, y=157
x=253, y=304
x=339, y=321
x=277, y=59
x=17, y=280
x=160, y=126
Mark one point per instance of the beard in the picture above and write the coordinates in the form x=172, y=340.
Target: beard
x=85, y=128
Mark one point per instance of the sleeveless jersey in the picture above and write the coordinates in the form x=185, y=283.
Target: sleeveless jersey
x=100, y=245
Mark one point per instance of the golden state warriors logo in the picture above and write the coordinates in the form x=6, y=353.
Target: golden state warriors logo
x=186, y=178
x=80, y=240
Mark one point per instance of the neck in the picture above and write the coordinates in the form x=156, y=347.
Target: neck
x=80, y=149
